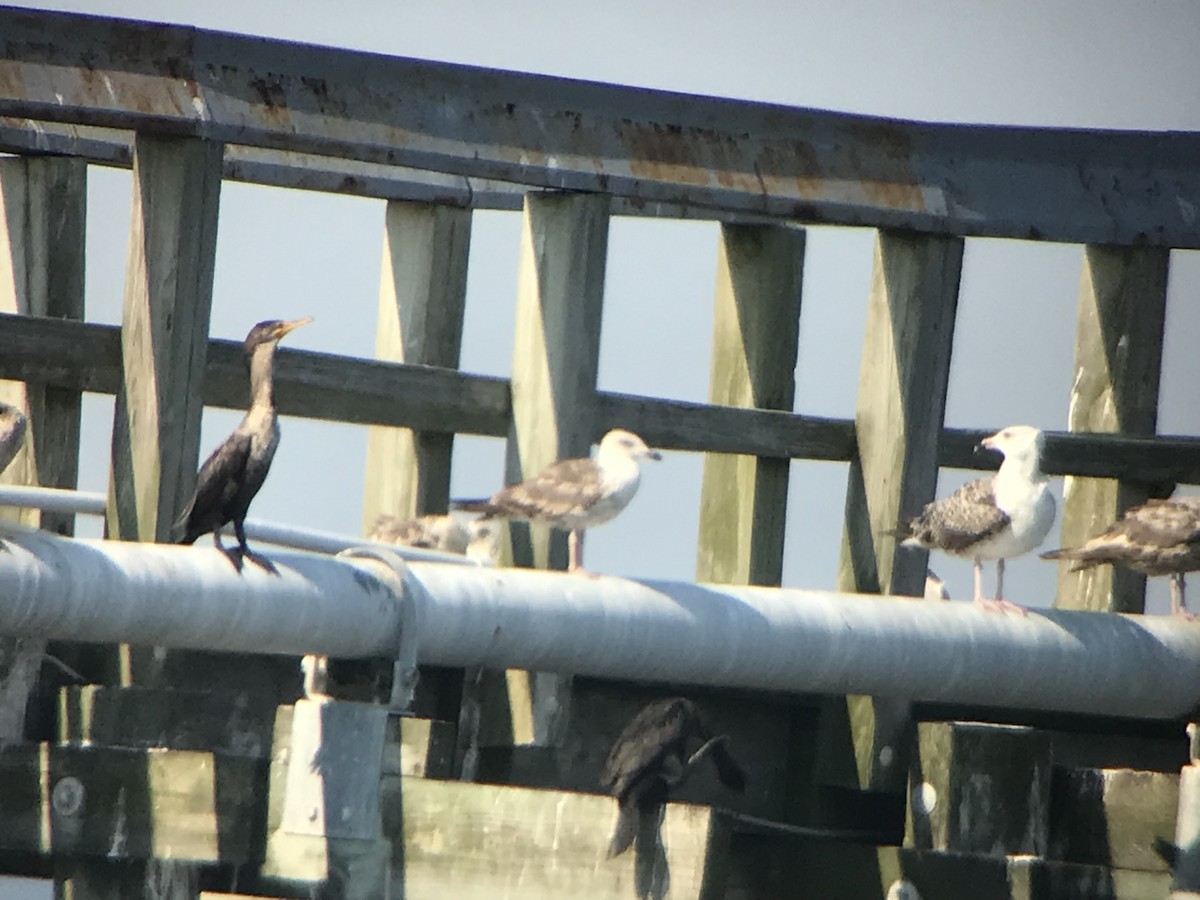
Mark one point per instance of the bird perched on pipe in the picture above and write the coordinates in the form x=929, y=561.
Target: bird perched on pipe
x=236, y=470
x=12, y=433
x=1160, y=537
x=475, y=539
x=574, y=494
x=999, y=517
x=654, y=753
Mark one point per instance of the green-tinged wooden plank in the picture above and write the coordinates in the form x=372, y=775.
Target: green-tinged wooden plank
x=422, y=300
x=131, y=804
x=484, y=841
x=556, y=359
x=1118, y=362
x=43, y=209
x=903, y=378
x=164, y=334
x=1111, y=817
x=756, y=323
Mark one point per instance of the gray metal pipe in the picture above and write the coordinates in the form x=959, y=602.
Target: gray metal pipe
x=808, y=641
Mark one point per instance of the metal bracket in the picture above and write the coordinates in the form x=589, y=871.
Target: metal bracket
x=411, y=595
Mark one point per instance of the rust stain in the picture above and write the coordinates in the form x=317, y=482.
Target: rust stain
x=671, y=153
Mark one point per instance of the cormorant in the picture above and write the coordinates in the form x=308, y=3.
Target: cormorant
x=235, y=471
x=574, y=494
x=12, y=433
x=650, y=757
x=1004, y=515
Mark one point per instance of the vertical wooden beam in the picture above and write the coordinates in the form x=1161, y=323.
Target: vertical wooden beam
x=755, y=333
x=556, y=356
x=901, y=406
x=164, y=334
x=898, y=422
x=422, y=299
x=1118, y=362
x=556, y=349
x=43, y=208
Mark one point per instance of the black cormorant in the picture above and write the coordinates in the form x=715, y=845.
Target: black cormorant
x=650, y=757
x=235, y=471
x=12, y=433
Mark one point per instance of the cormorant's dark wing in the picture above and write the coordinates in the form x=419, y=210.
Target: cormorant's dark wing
x=646, y=740
x=217, y=484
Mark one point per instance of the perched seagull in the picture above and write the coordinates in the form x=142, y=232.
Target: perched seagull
x=12, y=433
x=574, y=494
x=475, y=539
x=235, y=471
x=996, y=518
x=1161, y=537
x=650, y=757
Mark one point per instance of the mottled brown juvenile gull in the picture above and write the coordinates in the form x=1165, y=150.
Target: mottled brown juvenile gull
x=12, y=433
x=1161, y=537
x=574, y=494
x=654, y=753
x=446, y=533
x=997, y=518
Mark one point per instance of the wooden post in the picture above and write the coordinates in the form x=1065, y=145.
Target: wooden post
x=755, y=333
x=1118, y=361
x=898, y=423
x=556, y=353
x=43, y=206
x=422, y=298
x=164, y=334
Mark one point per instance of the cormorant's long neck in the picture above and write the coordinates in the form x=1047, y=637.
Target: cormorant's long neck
x=262, y=363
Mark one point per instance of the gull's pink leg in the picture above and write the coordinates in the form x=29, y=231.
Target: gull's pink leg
x=1000, y=604
x=575, y=546
x=1178, y=600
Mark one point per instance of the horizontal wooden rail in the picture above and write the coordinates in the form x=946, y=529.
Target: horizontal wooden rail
x=644, y=147
x=87, y=356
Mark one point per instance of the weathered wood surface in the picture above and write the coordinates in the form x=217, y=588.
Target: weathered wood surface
x=164, y=334
x=1076, y=185
x=1118, y=362
x=482, y=841
x=904, y=375
x=43, y=208
x=121, y=803
x=756, y=326
x=87, y=357
x=556, y=360
x=422, y=300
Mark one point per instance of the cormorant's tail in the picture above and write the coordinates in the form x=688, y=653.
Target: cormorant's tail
x=625, y=831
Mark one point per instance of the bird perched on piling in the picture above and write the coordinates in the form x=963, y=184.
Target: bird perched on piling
x=475, y=539
x=1160, y=537
x=650, y=757
x=574, y=494
x=235, y=471
x=12, y=433
x=999, y=517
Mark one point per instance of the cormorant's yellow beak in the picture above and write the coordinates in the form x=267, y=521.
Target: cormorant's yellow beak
x=286, y=327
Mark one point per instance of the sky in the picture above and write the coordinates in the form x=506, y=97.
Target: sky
x=284, y=254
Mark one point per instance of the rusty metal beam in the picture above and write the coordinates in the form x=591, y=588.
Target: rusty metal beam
x=646, y=147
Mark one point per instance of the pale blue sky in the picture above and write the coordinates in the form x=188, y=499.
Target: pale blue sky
x=285, y=254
